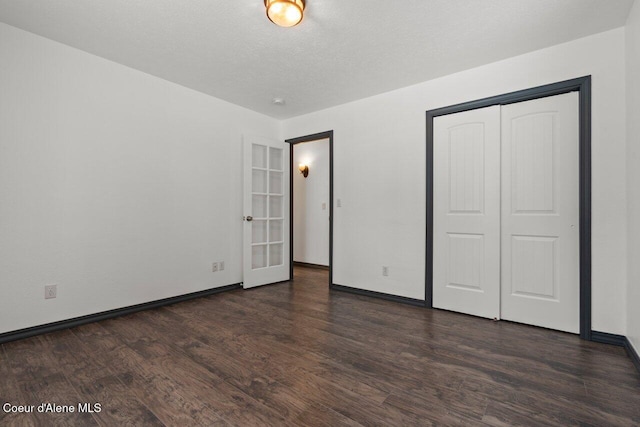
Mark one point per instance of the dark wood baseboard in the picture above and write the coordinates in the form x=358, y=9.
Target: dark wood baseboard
x=633, y=354
x=620, y=341
x=77, y=321
x=309, y=265
x=388, y=297
x=607, y=338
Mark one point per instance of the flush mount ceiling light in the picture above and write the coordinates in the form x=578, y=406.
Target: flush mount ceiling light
x=285, y=13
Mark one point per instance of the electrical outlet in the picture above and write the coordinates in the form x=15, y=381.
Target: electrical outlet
x=50, y=291
x=214, y=267
x=221, y=265
x=339, y=203
x=385, y=270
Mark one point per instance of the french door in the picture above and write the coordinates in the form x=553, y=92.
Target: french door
x=266, y=249
x=506, y=241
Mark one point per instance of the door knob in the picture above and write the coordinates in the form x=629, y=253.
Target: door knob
x=249, y=218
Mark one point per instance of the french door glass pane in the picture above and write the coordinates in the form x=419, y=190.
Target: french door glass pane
x=275, y=207
x=275, y=159
x=259, y=231
x=275, y=230
x=275, y=182
x=275, y=254
x=259, y=207
x=259, y=154
x=259, y=183
x=258, y=256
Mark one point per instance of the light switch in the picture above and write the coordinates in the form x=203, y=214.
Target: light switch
x=339, y=203
x=324, y=206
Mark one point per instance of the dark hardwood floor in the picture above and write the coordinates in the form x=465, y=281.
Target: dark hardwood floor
x=296, y=354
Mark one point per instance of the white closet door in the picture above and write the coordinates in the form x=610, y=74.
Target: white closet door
x=540, y=257
x=466, y=256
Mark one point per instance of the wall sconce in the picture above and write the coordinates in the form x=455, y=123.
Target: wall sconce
x=304, y=169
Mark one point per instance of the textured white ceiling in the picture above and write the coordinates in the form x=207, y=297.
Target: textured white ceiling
x=343, y=50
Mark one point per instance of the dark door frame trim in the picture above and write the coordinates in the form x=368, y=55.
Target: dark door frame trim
x=299, y=140
x=583, y=86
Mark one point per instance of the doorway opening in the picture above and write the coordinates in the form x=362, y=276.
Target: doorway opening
x=311, y=202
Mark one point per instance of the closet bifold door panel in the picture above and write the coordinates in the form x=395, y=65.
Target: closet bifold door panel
x=506, y=212
x=466, y=217
x=540, y=207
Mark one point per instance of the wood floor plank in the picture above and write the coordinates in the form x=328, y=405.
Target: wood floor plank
x=297, y=353
x=151, y=381
x=275, y=358
x=40, y=376
x=95, y=384
x=437, y=410
x=621, y=400
x=11, y=393
x=349, y=404
x=102, y=340
x=166, y=395
x=185, y=371
x=526, y=363
x=228, y=365
x=321, y=416
x=504, y=415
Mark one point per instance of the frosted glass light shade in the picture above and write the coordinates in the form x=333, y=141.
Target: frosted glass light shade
x=285, y=13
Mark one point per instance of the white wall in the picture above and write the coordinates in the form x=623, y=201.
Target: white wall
x=123, y=188
x=633, y=173
x=380, y=168
x=311, y=203
x=119, y=187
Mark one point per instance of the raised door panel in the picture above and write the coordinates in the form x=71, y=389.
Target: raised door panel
x=533, y=189
x=466, y=262
x=466, y=168
x=534, y=267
